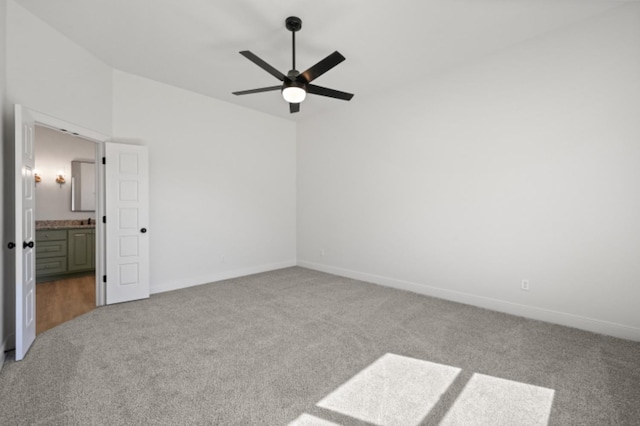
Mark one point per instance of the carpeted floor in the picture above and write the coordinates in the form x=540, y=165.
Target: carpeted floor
x=301, y=346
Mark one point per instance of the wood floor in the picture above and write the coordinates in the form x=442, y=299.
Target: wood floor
x=62, y=300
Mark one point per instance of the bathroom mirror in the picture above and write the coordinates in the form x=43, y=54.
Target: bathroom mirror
x=83, y=186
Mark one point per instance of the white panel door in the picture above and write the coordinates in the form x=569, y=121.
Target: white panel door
x=127, y=217
x=25, y=231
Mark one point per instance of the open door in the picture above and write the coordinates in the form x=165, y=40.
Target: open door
x=25, y=231
x=127, y=217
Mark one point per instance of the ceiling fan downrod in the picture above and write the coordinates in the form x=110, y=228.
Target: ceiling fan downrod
x=293, y=24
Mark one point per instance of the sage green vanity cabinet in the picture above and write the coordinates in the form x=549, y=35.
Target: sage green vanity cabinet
x=51, y=252
x=64, y=251
x=81, y=250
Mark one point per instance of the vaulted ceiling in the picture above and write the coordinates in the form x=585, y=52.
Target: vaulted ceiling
x=194, y=44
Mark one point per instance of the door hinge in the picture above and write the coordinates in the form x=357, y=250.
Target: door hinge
x=104, y=278
x=104, y=219
x=104, y=160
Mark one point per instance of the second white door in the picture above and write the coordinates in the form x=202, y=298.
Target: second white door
x=127, y=221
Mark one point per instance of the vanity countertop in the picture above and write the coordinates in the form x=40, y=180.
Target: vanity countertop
x=63, y=224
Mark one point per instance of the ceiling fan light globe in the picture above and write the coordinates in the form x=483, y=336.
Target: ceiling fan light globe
x=293, y=94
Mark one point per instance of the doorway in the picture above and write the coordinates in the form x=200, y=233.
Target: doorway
x=121, y=185
x=23, y=270
x=65, y=221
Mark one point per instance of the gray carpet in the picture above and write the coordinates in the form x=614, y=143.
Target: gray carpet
x=267, y=349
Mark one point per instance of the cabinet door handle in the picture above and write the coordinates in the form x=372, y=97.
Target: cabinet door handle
x=27, y=244
x=11, y=245
x=143, y=230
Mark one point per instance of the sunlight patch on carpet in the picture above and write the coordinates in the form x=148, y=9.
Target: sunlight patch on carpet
x=491, y=400
x=393, y=390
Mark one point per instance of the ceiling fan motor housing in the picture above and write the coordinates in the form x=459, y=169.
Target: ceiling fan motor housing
x=293, y=74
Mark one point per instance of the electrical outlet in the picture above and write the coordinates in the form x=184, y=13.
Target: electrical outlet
x=322, y=252
x=525, y=285
x=222, y=259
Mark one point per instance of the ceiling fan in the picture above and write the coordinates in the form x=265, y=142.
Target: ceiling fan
x=295, y=85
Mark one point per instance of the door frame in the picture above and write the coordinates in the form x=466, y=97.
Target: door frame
x=54, y=123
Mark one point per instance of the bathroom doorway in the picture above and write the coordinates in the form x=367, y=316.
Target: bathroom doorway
x=65, y=219
x=122, y=182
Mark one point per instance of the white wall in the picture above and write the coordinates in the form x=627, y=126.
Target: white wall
x=55, y=151
x=222, y=182
x=524, y=165
x=49, y=73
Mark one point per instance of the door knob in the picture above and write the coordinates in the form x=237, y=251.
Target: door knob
x=27, y=244
x=143, y=230
x=11, y=245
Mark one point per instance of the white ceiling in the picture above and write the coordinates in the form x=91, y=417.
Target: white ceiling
x=194, y=44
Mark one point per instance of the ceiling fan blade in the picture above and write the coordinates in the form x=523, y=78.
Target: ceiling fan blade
x=262, y=89
x=262, y=64
x=294, y=108
x=323, y=91
x=321, y=67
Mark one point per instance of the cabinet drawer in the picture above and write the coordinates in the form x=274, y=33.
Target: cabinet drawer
x=51, y=265
x=45, y=249
x=51, y=235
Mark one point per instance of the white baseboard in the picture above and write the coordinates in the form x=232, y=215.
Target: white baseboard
x=219, y=276
x=584, y=323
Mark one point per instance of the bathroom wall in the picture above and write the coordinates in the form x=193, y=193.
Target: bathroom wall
x=55, y=151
